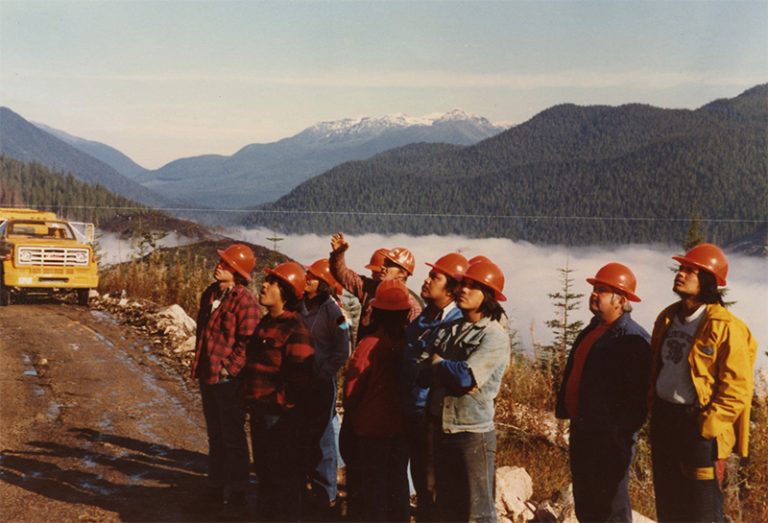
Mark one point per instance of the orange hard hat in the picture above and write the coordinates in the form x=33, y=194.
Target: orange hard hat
x=479, y=258
x=709, y=257
x=452, y=264
x=377, y=259
x=321, y=269
x=401, y=257
x=391, y=295
x=240, y=257
x=291, y=273
x=619, y=277
x=488, y=274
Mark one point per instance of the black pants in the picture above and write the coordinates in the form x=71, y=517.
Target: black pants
x=278, y=459
x=421, y=453
x=600, y=459
x=224, y=411
x=383, y=474
x=685, y=475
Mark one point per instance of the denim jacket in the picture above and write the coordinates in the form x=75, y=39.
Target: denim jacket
x=466, y=382
x=419, y=335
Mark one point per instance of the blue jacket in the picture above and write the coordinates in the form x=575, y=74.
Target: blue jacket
x=419, y=336
x=614, y=380
x=330, y=336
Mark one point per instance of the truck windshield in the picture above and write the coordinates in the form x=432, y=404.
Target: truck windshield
x=40, y=229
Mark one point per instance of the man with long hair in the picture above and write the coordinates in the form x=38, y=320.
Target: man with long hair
x=463, y=369
x=701, y=390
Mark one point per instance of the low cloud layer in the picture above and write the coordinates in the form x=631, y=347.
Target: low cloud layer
x=532, y=273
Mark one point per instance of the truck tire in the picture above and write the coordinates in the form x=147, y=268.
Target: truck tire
x=5, y=296
x=82, y=297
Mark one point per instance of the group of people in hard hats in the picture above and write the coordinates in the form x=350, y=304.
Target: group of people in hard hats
x=419, y=389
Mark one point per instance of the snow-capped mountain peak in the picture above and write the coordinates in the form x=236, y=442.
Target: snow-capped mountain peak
x=375, y=125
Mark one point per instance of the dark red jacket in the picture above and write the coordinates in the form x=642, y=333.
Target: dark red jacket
x=372, y=394
x=224, y=332
x=279, y=371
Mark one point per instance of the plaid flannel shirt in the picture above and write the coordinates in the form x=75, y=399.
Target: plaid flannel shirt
x=223, y=333
x=364, y=289
x=280, y=360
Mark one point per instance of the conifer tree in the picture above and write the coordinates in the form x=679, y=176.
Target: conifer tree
x=552, y=357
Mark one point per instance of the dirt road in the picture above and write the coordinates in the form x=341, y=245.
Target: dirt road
x=93, y=426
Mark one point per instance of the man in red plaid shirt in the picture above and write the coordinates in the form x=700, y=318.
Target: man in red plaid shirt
x=279, y=378
x=226, y=320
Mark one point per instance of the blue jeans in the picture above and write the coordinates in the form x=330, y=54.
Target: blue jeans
x=224, y=411
x=465, y=475
x=323, y=454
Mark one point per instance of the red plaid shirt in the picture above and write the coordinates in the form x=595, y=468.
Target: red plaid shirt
x=223, y=332
x=280, y=355
x=364, y=289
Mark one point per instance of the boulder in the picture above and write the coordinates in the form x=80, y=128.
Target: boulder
x=514, y=487
x=175, y=315
x=187, y=346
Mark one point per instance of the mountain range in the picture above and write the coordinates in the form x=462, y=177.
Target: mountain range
x=260, y=173
x=23, y=141
x=571, y=174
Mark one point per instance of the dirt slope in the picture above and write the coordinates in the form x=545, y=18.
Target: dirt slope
x=93, y=427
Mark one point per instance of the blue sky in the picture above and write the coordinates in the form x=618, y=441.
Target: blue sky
x=161, y=80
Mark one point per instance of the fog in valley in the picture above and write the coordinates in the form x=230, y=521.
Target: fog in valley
x=531, y=273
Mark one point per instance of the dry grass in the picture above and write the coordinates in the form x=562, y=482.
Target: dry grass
x=746, y=488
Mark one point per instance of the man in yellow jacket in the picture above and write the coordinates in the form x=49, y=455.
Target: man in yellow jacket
x=703, y=361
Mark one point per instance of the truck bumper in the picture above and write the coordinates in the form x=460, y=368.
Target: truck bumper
x=50, y=278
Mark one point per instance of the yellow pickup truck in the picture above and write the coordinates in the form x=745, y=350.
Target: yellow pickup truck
x=43, y=254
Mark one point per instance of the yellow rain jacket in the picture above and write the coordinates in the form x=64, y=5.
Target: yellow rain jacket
x=722, y=360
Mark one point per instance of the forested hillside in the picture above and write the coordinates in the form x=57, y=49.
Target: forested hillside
x=569, y=175
x=34, y=185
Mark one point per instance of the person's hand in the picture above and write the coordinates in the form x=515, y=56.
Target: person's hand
x=435, y=358
x=339, y=243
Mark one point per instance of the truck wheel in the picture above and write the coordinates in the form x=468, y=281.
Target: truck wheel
x=82, y=297
x=5, y=297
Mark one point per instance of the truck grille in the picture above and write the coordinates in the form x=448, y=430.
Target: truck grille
x=52, y=257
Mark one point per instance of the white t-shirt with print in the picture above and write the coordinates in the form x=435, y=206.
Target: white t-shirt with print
x=674, y=383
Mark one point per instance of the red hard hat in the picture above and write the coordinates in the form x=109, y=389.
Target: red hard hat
x=377, y=259
x=391, y=295
x=401, y=257
x=619, y=277
x=488, y=274
x=240, y=257
x=479, y=258
x=322, y=269
x=709, y=257
x=452, y=264
x=291, y=273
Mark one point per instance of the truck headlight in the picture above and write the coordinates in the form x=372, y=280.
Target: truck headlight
x=81, y=256
x=25, y=256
